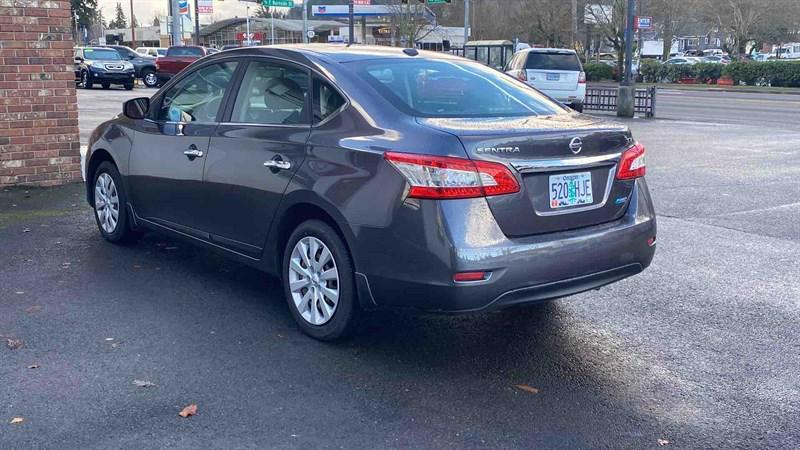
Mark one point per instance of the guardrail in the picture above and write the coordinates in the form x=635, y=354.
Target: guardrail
x=605, y=99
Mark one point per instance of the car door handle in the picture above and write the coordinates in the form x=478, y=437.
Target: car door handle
x=193, y=153
x=278, y=164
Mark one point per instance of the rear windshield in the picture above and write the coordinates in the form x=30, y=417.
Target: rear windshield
x=101, y=54
x=438, y=88
x=553, y=61
x=185, y=51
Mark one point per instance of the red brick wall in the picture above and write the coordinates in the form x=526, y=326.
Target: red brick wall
x=39, y=137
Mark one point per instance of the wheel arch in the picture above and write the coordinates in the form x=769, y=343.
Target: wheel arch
x=98, y=157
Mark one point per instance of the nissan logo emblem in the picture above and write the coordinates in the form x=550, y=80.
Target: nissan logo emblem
x=576, y=145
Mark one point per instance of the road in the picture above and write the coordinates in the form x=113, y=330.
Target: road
x=770, y=111
x=701, y=350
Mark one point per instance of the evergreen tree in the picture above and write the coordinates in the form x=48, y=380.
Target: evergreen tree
x=156, y=21
x=120, y=21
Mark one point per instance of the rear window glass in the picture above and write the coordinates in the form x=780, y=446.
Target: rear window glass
x=185, y=51
x=553, y=61
x=437, y=88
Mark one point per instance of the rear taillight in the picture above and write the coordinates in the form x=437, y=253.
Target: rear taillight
x=522, y=75
x=437, y=177
x=582, y=78
x=631, y=164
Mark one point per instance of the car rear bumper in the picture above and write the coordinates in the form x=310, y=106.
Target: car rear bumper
x=417, y=270
x=572, y=96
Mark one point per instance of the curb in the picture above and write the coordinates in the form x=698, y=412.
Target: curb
x=684, y=87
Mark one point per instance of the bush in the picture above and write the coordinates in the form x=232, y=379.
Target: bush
x=650, y=70
x=598, y=72
x=768, y=73
x=708, y=72
x=674, y=72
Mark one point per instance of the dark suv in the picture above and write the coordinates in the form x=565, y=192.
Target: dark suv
x=145, y=66
x=103, y=66
x=371, y=177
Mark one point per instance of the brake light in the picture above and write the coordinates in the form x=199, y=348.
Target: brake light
x=522, y=75
x=466, y=277
x=632, y=164
x=437, y=177
x=582, y=78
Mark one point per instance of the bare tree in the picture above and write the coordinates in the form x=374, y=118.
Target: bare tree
x=672, y=15
x=609, y=19
x=742, y=19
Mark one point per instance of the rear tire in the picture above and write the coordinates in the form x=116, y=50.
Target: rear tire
x=319, y=282
x=111, y=205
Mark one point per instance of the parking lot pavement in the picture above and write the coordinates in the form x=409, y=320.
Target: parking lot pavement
x=701, y=350
x=98, y=105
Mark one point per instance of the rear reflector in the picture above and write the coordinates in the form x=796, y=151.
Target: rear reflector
x=631, y=164
x=438, y=177
x=652, y=241
x=582, y=78
x=462, y=277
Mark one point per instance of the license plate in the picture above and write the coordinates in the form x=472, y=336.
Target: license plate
x=553, y=77
x=572, y=189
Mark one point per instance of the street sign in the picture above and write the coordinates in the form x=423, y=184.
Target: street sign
x=283, y=3
x=311, y=34
x=436, y=2
x=644, y=22
x=362, y=2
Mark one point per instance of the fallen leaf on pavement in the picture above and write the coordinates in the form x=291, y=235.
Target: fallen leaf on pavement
x=190, y=410
x=13, y=344
x=143, y=383
x=26, y=230
x=33, y=309
x=17, y=420
x=662, y=442
x=19, y=292
x=526, y=388
x=33, y=366
x=109, y=339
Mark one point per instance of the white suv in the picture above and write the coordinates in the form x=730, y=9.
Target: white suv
x=555, y=71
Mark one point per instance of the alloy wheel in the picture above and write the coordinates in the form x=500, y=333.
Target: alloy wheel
x=150, y=79
x=314, y=280
x=106, y=202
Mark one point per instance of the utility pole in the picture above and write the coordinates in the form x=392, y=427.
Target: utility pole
x=272, y=26
x=627, y=92
x=133, y=28
x=351, y=28
x=196, y=24
x=248, y=26
x=466, y=26
x=177, y=32
x=305, y=22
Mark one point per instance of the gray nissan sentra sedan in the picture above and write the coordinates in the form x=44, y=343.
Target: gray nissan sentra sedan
x=371, y=177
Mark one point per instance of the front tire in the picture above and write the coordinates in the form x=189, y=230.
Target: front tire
x=85, y=80
x=106, y=85
x=578, y=107
x=110, y=205
x=318, y=280
x=150, y=79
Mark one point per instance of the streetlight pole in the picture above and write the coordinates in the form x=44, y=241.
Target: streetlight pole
x=248, y=26
x=196, y=24
x=133, y=28
x=177, y=34
x=305, y=22
x=466, y=26
x=272, y=25
x=351, y=28
x=627, y=92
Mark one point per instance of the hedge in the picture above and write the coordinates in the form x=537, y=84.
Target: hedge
x=768, y=73
x=598, y=72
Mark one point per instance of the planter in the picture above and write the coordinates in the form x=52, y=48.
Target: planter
x=688, y=80
x=725, y=81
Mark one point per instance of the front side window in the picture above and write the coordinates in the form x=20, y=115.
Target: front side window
x=272, y=94
x=327, y=100
x=446, y=88
x=198, y=96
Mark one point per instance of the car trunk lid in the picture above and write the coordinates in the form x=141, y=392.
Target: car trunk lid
x=567, y=158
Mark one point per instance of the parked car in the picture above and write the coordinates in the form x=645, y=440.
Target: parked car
x=145, y=65
x=682, y=60
x=178, y=58
x=230, y=47
x=155, y=52
x=716, y=60
x=371, y=177
x=556, y=72
x=103, y=66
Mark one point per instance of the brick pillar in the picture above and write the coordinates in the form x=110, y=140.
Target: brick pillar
x=39, y=137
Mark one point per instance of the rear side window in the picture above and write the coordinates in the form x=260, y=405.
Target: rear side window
x=446, y=88
x=185, y=51
x=327, y=100
x=553, y=61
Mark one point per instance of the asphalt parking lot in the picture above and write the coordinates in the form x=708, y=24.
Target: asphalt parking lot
x=700, y=351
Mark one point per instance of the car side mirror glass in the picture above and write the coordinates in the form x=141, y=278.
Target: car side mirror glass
x=136, y=108
x=78, y=59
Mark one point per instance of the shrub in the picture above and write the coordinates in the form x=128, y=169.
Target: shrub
x=598, y=72
x=768, y=73
x=708, y=72
x=650, y=70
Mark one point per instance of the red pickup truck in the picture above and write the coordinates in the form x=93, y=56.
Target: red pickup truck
x=178, y=58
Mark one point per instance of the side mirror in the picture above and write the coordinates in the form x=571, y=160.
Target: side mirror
x=78, y=59
x=136, y=108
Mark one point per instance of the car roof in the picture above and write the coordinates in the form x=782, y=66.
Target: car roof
x=549, y=50
x=342, y=53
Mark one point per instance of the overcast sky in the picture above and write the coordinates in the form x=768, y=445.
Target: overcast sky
x=146, y=9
